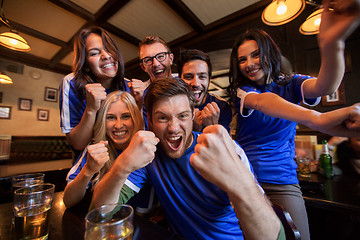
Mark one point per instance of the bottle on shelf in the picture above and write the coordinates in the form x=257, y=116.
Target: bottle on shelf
x=325, y=161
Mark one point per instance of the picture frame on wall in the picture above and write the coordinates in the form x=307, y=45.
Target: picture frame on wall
x=51, y=94
x=5, y=112
x=25, y=104
x=43, y=115
x=334, y=99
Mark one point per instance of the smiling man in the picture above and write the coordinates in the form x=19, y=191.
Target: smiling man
x=156, y=60
x=195, y=69
x=199, y=202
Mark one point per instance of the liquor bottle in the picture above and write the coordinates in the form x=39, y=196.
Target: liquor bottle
x=325, y=161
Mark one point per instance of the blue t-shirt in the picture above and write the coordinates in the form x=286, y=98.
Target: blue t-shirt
x=194, y=207
x=269, y=142
x=72, y=104
x=225, y=109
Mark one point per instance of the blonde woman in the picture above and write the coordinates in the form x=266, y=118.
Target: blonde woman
x=117, y=121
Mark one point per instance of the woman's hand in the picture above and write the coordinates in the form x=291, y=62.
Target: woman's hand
x=98, y=155
x=339, y=19
x=95, y=94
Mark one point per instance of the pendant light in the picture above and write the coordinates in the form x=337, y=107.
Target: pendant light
x=5, y=79
x=312, y=23
x=279, y=12
x=282, y=11
x=12, y=39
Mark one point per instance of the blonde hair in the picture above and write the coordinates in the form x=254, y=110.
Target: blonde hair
x=100, y=123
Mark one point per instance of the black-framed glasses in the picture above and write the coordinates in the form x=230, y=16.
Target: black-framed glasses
x=159, y=57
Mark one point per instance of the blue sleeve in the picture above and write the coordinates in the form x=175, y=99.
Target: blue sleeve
x=137, y=179
x=75, y=170
x=72, y=104
x=297, y=82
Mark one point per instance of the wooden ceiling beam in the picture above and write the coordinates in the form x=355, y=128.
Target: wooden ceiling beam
x=75, y=9
x=108, y=10
x=186, y=14
x=32, y=32
x=34, y=61
x=121, y=34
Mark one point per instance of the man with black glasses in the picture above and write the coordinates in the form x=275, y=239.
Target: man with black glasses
x=155, y=59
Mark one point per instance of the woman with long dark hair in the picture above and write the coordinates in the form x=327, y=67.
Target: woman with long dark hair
x=266, y=102
x=98, y=69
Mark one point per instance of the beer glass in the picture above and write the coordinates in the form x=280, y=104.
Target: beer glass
x=304, y=164
x=31, y=210
x=26, y=180
x=110, y=222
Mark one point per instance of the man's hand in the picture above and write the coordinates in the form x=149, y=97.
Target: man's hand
x=215, y=157
x=210, y=114
x=137, y=88
x=139, y=153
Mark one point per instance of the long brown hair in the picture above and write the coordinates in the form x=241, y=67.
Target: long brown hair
x=81, y=71
x=100, y=123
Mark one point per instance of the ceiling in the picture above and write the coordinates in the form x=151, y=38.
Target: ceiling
x=50, y=26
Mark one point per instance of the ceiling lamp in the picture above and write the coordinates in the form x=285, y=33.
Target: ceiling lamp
x=282, y=11
x=5, y=79
x=279, y=12
x=12, y=39
x=312, y=23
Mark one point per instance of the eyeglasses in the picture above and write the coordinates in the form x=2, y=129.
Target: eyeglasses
x=159, y=57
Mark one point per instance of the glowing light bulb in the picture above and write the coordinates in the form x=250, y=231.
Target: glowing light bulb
x=281, y=9
x=14, y=41
x=317, y=22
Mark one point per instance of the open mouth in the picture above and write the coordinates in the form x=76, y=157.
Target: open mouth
x=174, y=142
x=197, y=95
x=119, y=133
x=159, y=72
x=253, y=71
x=108, y=65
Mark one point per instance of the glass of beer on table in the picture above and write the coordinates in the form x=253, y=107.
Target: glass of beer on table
x=31, y=208
x=111, y=221
x=25, y=180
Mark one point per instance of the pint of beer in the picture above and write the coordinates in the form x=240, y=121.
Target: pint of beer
x=31, y=209
x=112, y=221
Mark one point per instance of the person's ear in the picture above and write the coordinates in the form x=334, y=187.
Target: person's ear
x=142, y=67
x=171, y=57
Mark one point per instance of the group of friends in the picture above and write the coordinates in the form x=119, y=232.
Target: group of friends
x=169, y=135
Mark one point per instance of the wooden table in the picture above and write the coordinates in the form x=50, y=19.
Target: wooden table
x=333, y=206
x=69, y=224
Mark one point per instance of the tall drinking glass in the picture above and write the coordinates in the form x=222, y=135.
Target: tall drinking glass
x=110, y=222
x=25, y=180
x=31, y=210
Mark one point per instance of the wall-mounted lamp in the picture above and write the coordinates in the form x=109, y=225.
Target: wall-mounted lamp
x=5, y=79
x=12, y=39
x=279, y=12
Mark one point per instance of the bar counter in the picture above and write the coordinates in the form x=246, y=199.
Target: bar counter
x=69, y=224
x=340, y=193
x=333, y=206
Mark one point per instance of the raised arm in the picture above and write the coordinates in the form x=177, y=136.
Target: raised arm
x=137, y=88
x=80, y=136
x=138, y=154
x=340, y=122
x=216, y=160
x=336, y=26
x=97, y=156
